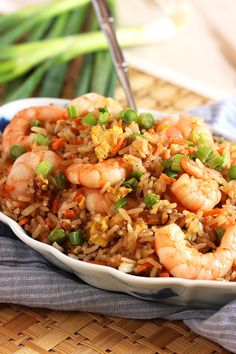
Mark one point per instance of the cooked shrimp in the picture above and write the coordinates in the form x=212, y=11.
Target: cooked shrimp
x=18, y=130
x=97, y=175
x=196, y=194
x=92, y=101
x=95, y=201
x=23, y=169
x=183, y=261
x=185, y=126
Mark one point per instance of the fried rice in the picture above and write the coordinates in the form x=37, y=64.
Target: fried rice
x=123, y=236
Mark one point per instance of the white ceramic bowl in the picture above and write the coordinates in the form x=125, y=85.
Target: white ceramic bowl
x=170, y=290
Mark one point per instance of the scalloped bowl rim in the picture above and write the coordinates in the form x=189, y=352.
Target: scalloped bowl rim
x=85, y=266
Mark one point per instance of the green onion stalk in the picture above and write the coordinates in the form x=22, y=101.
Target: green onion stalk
x=93, y=77
x=54, y=75
x=53, y=9
x=21, y=59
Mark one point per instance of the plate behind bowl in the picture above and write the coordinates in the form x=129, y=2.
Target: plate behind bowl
x=169, y=290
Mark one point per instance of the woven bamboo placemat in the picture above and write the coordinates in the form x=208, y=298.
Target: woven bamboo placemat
x=29, y=331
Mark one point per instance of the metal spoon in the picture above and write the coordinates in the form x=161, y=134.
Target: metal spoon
x=107, y=25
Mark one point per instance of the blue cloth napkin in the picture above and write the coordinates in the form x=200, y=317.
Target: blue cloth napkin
x=26, y=278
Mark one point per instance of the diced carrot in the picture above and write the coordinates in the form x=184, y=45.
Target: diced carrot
x=120, y=123
x=68, y=214
x=179, y=141
x=141, y=268
x=58, y=143
x=151, y=131
x=77, y=120
x=79, y=196
x=118, y=146
x=23, y=221
x=164, y=275
x=81, y=127
x=55, y=205
x=74, y=141
x=215, y=211
x=8, y=188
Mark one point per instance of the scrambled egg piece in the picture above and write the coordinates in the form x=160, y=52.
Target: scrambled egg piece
x=97, y=236
x=105, y=140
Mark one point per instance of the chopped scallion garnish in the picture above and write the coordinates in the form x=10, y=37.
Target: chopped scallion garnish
x=44, y=168
x=76, y=237
x=151, y=199
x=136, y=174
x=42, y=139
x=17, y=150
x=121, y=202
x=232, y=172
x=73, y=111
x=204, y=153
x=166, y=163
x=35, y=123
x=57, y=235
x=103, y=109
x=176, y=163
x=217, y=162
x=171, y=174
x=219, y=234
x=89, y=120
x=131, y=183
x=61, y=181
x=103, y=117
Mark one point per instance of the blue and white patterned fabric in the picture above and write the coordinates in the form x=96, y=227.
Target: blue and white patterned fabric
x=26, y=278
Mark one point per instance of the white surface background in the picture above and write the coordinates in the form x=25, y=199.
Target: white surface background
x=201, y=58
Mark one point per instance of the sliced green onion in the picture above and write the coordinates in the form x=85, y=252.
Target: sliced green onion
x=204, y=153
x=121, y=202
x=151, y=199
x=57, y=235
x=217, y=162
x=134, y=136
x=219, y=234
x=136, y=174
x=146, y=120
x=232, y=172
x=203, y=139
x=42, y=140
x=35, y=123
x=166, y=163
x=17, y=150
x=76, y=237
x=129, y=115
x=131, y=183
x=103, y=109
x=176, y=163
x=103, y=117
x=61, y=181
x=44, y=168
x=89, y=120
x=171, y=174
x=73, y=111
